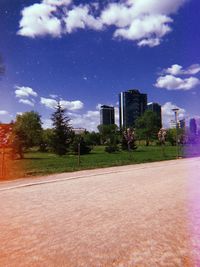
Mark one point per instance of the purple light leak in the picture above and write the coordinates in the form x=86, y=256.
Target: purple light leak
x=192, y=150
x=194, y=211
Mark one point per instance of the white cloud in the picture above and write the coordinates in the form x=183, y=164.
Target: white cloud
x=53, y=96
x=27, y=102
x=193, y=69
x=38, y=20
x=89, y=120
x=72, y=105
x=156, y=6
x=48, y=102
x=24, y=92
x=178, y=70
x=171, y=82
x=3, y=112
x=143, y=21
x=57, y=2
x=168, y=114
x=174, y=70
x=46, y=123
x=149, y=42
x=147, y=30
x=69, y=105
x=98, y=106
x=79, y=18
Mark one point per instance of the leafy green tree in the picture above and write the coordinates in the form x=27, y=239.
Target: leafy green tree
x=92, y=139
x=84, y=147
x=47, y=140
x=27, y=131
x=62, y=131
x=108, y=133
x=147, y=126
x=109, y=136
x=171, y=136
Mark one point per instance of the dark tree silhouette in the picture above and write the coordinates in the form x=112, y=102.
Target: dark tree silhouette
x=62, y=131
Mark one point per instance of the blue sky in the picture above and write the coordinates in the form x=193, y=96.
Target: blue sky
x=85, y=52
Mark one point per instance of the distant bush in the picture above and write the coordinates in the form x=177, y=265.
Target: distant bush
x=111, y=148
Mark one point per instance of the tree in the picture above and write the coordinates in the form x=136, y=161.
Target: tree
x=62, y=131
x=148, y=125
x=46, y=143
x=128, y=140
x=27, y=131
x=108, y=133
x=171, y=136
x=92, y=138
x=109, y=136
x=84, y=147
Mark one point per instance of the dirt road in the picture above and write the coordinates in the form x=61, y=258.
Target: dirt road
x=143, y=215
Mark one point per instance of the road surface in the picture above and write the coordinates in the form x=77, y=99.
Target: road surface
x=144, y=215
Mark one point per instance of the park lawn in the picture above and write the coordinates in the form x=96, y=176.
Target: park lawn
x=37, y=163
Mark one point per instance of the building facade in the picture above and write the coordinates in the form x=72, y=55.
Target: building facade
x=132, y=105
x=155, y=107
x=107, y=115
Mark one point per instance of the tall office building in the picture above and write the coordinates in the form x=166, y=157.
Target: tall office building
x=132, y=105
x=107, y=115
x=193, y=126
x=155, y=107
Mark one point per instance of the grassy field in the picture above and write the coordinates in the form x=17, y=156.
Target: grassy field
x=36, y=163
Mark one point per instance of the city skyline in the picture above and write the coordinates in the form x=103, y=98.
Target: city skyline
x=85, y=52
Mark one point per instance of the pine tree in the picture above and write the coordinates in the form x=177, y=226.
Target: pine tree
x=62, y=131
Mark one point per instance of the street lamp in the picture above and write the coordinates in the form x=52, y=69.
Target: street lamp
x=175, y=113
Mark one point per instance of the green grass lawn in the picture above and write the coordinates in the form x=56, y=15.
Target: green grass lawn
x=36, y=163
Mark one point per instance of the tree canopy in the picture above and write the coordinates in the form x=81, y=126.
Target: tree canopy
x=148, y=125
x=27, y=132
x=28, y=128
x=62, y=131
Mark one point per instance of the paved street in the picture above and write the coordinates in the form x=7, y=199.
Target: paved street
x=140, y=215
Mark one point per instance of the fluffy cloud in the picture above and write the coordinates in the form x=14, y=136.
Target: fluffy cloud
x=24, y=92
x=3, y=112
x=69, y=105
x=46, y=123
x=175, y=83
x=156, y=6
x=144, y=21
x=38, y=20
x=168, y=113
x=72, y=105
x=89, y=120
x=48, y=102
x=79, y=18
x=144, y=28
x=178, y=70
x=27, y=102
x=57, y=2
x=172, y=82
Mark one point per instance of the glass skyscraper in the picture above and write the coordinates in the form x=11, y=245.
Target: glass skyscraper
x=107, y=115
x=132, y=104
x=155, y=107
